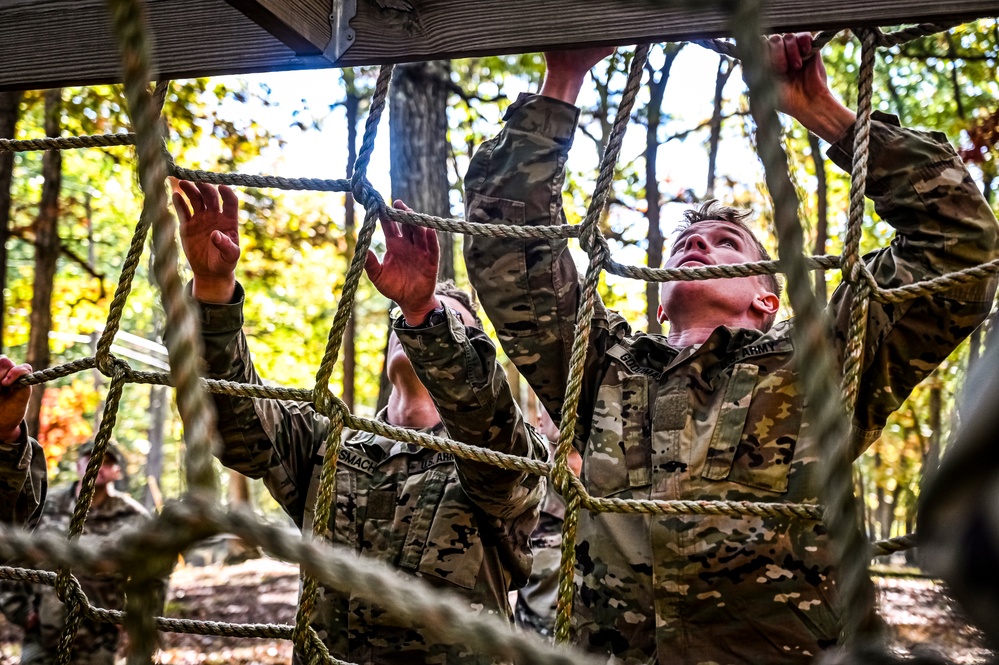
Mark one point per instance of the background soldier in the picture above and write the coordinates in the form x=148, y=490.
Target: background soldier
x=37, y=609
x=458, y=524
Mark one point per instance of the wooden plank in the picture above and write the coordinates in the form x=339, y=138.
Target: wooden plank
x=50, y=43
x=302, y=25
x=409, y=30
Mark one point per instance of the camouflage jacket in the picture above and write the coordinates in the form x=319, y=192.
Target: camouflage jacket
x=458, y=524
x=37, y=608
x=23, y=481
x=725, y=420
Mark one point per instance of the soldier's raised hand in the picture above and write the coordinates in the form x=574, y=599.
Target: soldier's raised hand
x=804, y=87
x=209, y=232
x=407, y=273
x=13, y=399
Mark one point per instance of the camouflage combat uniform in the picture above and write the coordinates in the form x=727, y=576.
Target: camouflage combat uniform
x=460, y=525
x=96, y=641
x=23, y=481
x=724, y=420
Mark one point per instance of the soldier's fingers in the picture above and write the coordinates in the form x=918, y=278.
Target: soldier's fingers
x=408, y=233
x=778, y=59
x=372, y=266
x=791, y=52
x=183, y=211
x=5, y=366
x=390, y=228
x=230, y=202
x=16, y=373
x=193, y=195
x=433, y=246
x=399, y=205
x=419, y=236
x=804, y=43
x=210, y=196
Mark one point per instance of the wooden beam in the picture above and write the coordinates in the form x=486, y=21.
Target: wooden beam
x=408, y=30
x=48, y=43
x=52, y=43
x=302, y=25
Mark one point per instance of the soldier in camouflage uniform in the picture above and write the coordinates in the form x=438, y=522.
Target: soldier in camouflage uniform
x=23, y=479
x=460, y=525
x=37, y=608
x=714, y=410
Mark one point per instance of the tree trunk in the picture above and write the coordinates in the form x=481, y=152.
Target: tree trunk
x=351, y=104
x=10, y=106
x=822, y=213
x=418, y=149
x=725, y=68
x=419, y=145
x=653, y=205
x=46, y=255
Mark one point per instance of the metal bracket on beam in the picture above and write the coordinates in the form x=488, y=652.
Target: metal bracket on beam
x=341, y=34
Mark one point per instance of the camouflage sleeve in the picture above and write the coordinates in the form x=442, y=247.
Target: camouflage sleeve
x=943, y=224
x=23, y=481
x=261, y=438
x=530, y=288
x=458, y=366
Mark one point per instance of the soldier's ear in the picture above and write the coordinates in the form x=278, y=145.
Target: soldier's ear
x=766, y=303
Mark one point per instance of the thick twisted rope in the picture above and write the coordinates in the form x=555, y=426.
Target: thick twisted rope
x=850, y=543
x=443, y=616
x=590, y=238
x=810, y=331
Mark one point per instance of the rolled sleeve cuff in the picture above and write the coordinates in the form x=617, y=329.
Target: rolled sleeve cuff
x=883, y=130
x=536, y=114
x=431, y=343
x=224, y=318
x=17, y=453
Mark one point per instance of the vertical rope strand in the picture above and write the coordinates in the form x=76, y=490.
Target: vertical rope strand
x=597, y=248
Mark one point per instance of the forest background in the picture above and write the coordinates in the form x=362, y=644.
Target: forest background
x=66, y=220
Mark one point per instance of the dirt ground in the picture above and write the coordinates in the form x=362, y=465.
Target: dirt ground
x=919, y=613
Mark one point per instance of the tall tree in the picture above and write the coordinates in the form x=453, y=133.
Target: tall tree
x=10, y=105
x=725, y=67
x=46, y=255
x=653, y=204
x=419, y=146
x=822, y=212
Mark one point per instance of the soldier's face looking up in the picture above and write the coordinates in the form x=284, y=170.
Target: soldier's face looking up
x=711, y=242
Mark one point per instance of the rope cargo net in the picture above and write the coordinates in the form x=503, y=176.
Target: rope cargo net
x=149, y=552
